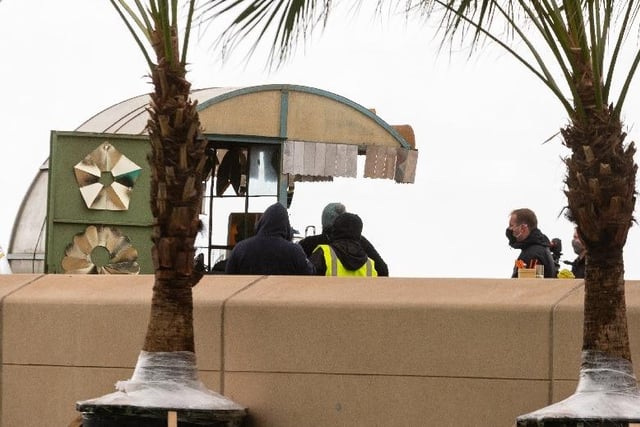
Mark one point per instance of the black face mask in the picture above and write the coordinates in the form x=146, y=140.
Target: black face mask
x=510, y=236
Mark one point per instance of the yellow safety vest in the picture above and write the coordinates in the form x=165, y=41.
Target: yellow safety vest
x=335, y=267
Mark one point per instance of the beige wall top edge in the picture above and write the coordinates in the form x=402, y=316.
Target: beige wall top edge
x=565, y=294
x=520, y=293
x=100, y=289
x=9, y=283
x=309, y=289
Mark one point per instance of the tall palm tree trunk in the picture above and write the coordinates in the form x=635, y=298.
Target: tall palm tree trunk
x=166, y=375
x=177, y=161
x=600, y=182
x=600, y=179
x=601, y=176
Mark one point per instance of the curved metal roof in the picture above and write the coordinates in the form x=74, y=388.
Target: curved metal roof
x=130, y=117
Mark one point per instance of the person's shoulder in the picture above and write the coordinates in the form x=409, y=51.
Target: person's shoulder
x=319, y=249
x=365, y=243
x=310, y=243
x=295, y=247
x=245, y=242
x=310, y=240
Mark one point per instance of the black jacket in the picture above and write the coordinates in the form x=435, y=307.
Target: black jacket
x=310, y=243
x=578, y=266
x=270, y=250
x=345, y=241
x=534, y=247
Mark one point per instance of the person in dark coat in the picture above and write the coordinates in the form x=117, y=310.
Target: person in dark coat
x=343, y=255
x=578, y=264
x=270, y=250
x=329, y=215
x=523, y=233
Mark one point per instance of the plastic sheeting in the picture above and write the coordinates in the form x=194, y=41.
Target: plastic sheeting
x=165, y=380
x=607, y=391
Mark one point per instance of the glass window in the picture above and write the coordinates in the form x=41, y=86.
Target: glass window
x=263, y=170
x=242, y=183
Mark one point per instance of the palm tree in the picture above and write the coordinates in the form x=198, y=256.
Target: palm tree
x=167, y=365
x=576, y=49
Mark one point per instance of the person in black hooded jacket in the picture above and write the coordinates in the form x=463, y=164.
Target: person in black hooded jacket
x=270, y=250
x=343, y=255
x=329, y=215
x=523, y=233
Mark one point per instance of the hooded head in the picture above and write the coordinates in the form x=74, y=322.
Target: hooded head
x=330, y=213
x=274, y=222
x=347, y=226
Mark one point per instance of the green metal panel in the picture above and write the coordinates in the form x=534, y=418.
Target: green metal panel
x=126, y=213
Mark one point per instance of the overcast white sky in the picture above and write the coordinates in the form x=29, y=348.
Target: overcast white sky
x=479, y=126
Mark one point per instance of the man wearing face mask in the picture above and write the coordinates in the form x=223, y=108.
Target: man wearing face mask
x=523, y=233
x=577, y=265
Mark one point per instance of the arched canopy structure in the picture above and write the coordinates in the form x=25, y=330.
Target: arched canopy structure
x=261, y=140
x=300, y=117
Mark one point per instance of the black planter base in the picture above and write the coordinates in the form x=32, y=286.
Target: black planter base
x=560, y=422
x=133, y=416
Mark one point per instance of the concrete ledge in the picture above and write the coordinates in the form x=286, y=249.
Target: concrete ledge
x=308, y=350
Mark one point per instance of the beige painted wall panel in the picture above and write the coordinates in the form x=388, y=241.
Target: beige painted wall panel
x=47, y=395
x=316, y=118
x=102, y=320
x=253, y=114
x=567, y=334
x=308, y=348
x=328, y=330
x=77, y=320
x=9, y=283
x=209, y=296
x=293, y=400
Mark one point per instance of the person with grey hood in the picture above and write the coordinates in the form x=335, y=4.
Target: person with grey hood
x=329, y=214
x=270, y=250
x=343, y=255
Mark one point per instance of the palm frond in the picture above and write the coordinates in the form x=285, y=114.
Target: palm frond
x=573, y=32
x=630, y=16
x=551, y=38
x=187, y=34
x=128, y=15
x=161, y=17
x=288, y=20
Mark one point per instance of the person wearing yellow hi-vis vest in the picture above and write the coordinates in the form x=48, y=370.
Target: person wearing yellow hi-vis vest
x=329, y=215
x=344, y=255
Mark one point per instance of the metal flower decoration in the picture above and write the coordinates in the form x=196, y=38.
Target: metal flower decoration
x=100, y=250
x=106, y=178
